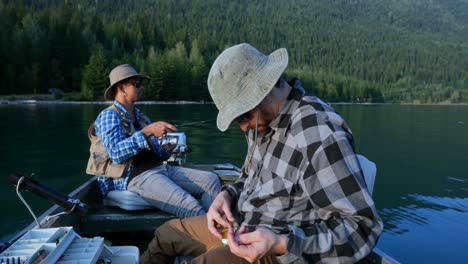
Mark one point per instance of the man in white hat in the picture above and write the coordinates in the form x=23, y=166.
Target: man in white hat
x=126, y=154
x=301, y=197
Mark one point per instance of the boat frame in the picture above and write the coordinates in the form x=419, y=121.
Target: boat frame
x=121, y=227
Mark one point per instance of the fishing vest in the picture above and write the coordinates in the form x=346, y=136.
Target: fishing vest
x=99, y=162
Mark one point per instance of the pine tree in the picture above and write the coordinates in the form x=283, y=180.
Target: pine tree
x=94, y=75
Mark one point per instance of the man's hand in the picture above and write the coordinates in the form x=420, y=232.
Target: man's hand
x=254, y=245
x=158, y=129
x=219, y=215
x=168, y=147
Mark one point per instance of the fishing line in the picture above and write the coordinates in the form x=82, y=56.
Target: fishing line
x=193, y=123
x=383, y=95
x=26, y=203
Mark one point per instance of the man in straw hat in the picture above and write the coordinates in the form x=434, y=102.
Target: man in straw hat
x=126, y=154
x=301, y=197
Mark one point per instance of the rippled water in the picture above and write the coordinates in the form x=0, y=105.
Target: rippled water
x=421, y=152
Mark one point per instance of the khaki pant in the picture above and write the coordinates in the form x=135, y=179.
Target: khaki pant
x=175, y=189
x=191, y=237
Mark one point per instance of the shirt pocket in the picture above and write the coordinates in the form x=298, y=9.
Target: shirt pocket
x=273, y=190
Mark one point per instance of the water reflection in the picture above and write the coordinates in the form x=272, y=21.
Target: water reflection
x=421, y=187
x=455, y=200
x=431, y=229
x=421, y=211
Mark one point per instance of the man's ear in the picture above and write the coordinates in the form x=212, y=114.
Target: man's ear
x=120, y=87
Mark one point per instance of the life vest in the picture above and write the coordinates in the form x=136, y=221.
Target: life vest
x=99, y=162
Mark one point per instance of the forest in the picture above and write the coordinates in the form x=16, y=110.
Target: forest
x=413, y=51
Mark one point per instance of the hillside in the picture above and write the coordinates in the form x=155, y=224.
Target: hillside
x=344, y=50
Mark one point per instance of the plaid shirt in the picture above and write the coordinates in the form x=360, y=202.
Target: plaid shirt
x=119, y=147
x=304, y=180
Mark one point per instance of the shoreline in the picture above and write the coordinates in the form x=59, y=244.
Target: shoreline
x=45, y=102
x=22, y=102
x=49, y=99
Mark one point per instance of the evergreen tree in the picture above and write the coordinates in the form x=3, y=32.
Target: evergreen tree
x=341, y=50
x=94, y=75
x=199, y=72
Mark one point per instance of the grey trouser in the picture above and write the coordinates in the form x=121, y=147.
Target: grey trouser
x=191, y=237
x=180, y=191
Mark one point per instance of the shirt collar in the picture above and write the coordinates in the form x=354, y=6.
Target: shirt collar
x=125, y=112
x=284, y=117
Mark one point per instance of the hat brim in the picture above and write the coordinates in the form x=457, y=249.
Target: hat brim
x=266, y=75
x=109, y=93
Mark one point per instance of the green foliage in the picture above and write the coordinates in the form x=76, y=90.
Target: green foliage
x=342, y=50
x=94, y=80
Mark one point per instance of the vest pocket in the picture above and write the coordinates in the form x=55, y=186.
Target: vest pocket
x=100, y=164
x=115, y=170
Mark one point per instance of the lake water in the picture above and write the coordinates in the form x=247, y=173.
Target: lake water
x=421, y=153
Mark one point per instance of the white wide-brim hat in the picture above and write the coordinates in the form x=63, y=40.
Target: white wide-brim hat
x=118, y=74
x=241, y=77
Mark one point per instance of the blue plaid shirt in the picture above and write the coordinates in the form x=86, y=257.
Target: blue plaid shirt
x=119, y=147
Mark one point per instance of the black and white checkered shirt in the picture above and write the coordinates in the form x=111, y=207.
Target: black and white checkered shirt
x=304, y=180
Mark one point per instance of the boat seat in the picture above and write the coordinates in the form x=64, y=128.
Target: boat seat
x=370, y=170
x=126, y=200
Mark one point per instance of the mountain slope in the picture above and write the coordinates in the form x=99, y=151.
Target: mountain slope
x=344, y=49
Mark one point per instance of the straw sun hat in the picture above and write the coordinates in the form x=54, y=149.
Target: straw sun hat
x=118, y=74
x=241, y=77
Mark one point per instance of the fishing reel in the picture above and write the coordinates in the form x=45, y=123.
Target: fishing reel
x=178, y=142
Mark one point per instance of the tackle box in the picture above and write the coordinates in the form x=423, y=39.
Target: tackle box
x=64, y=246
